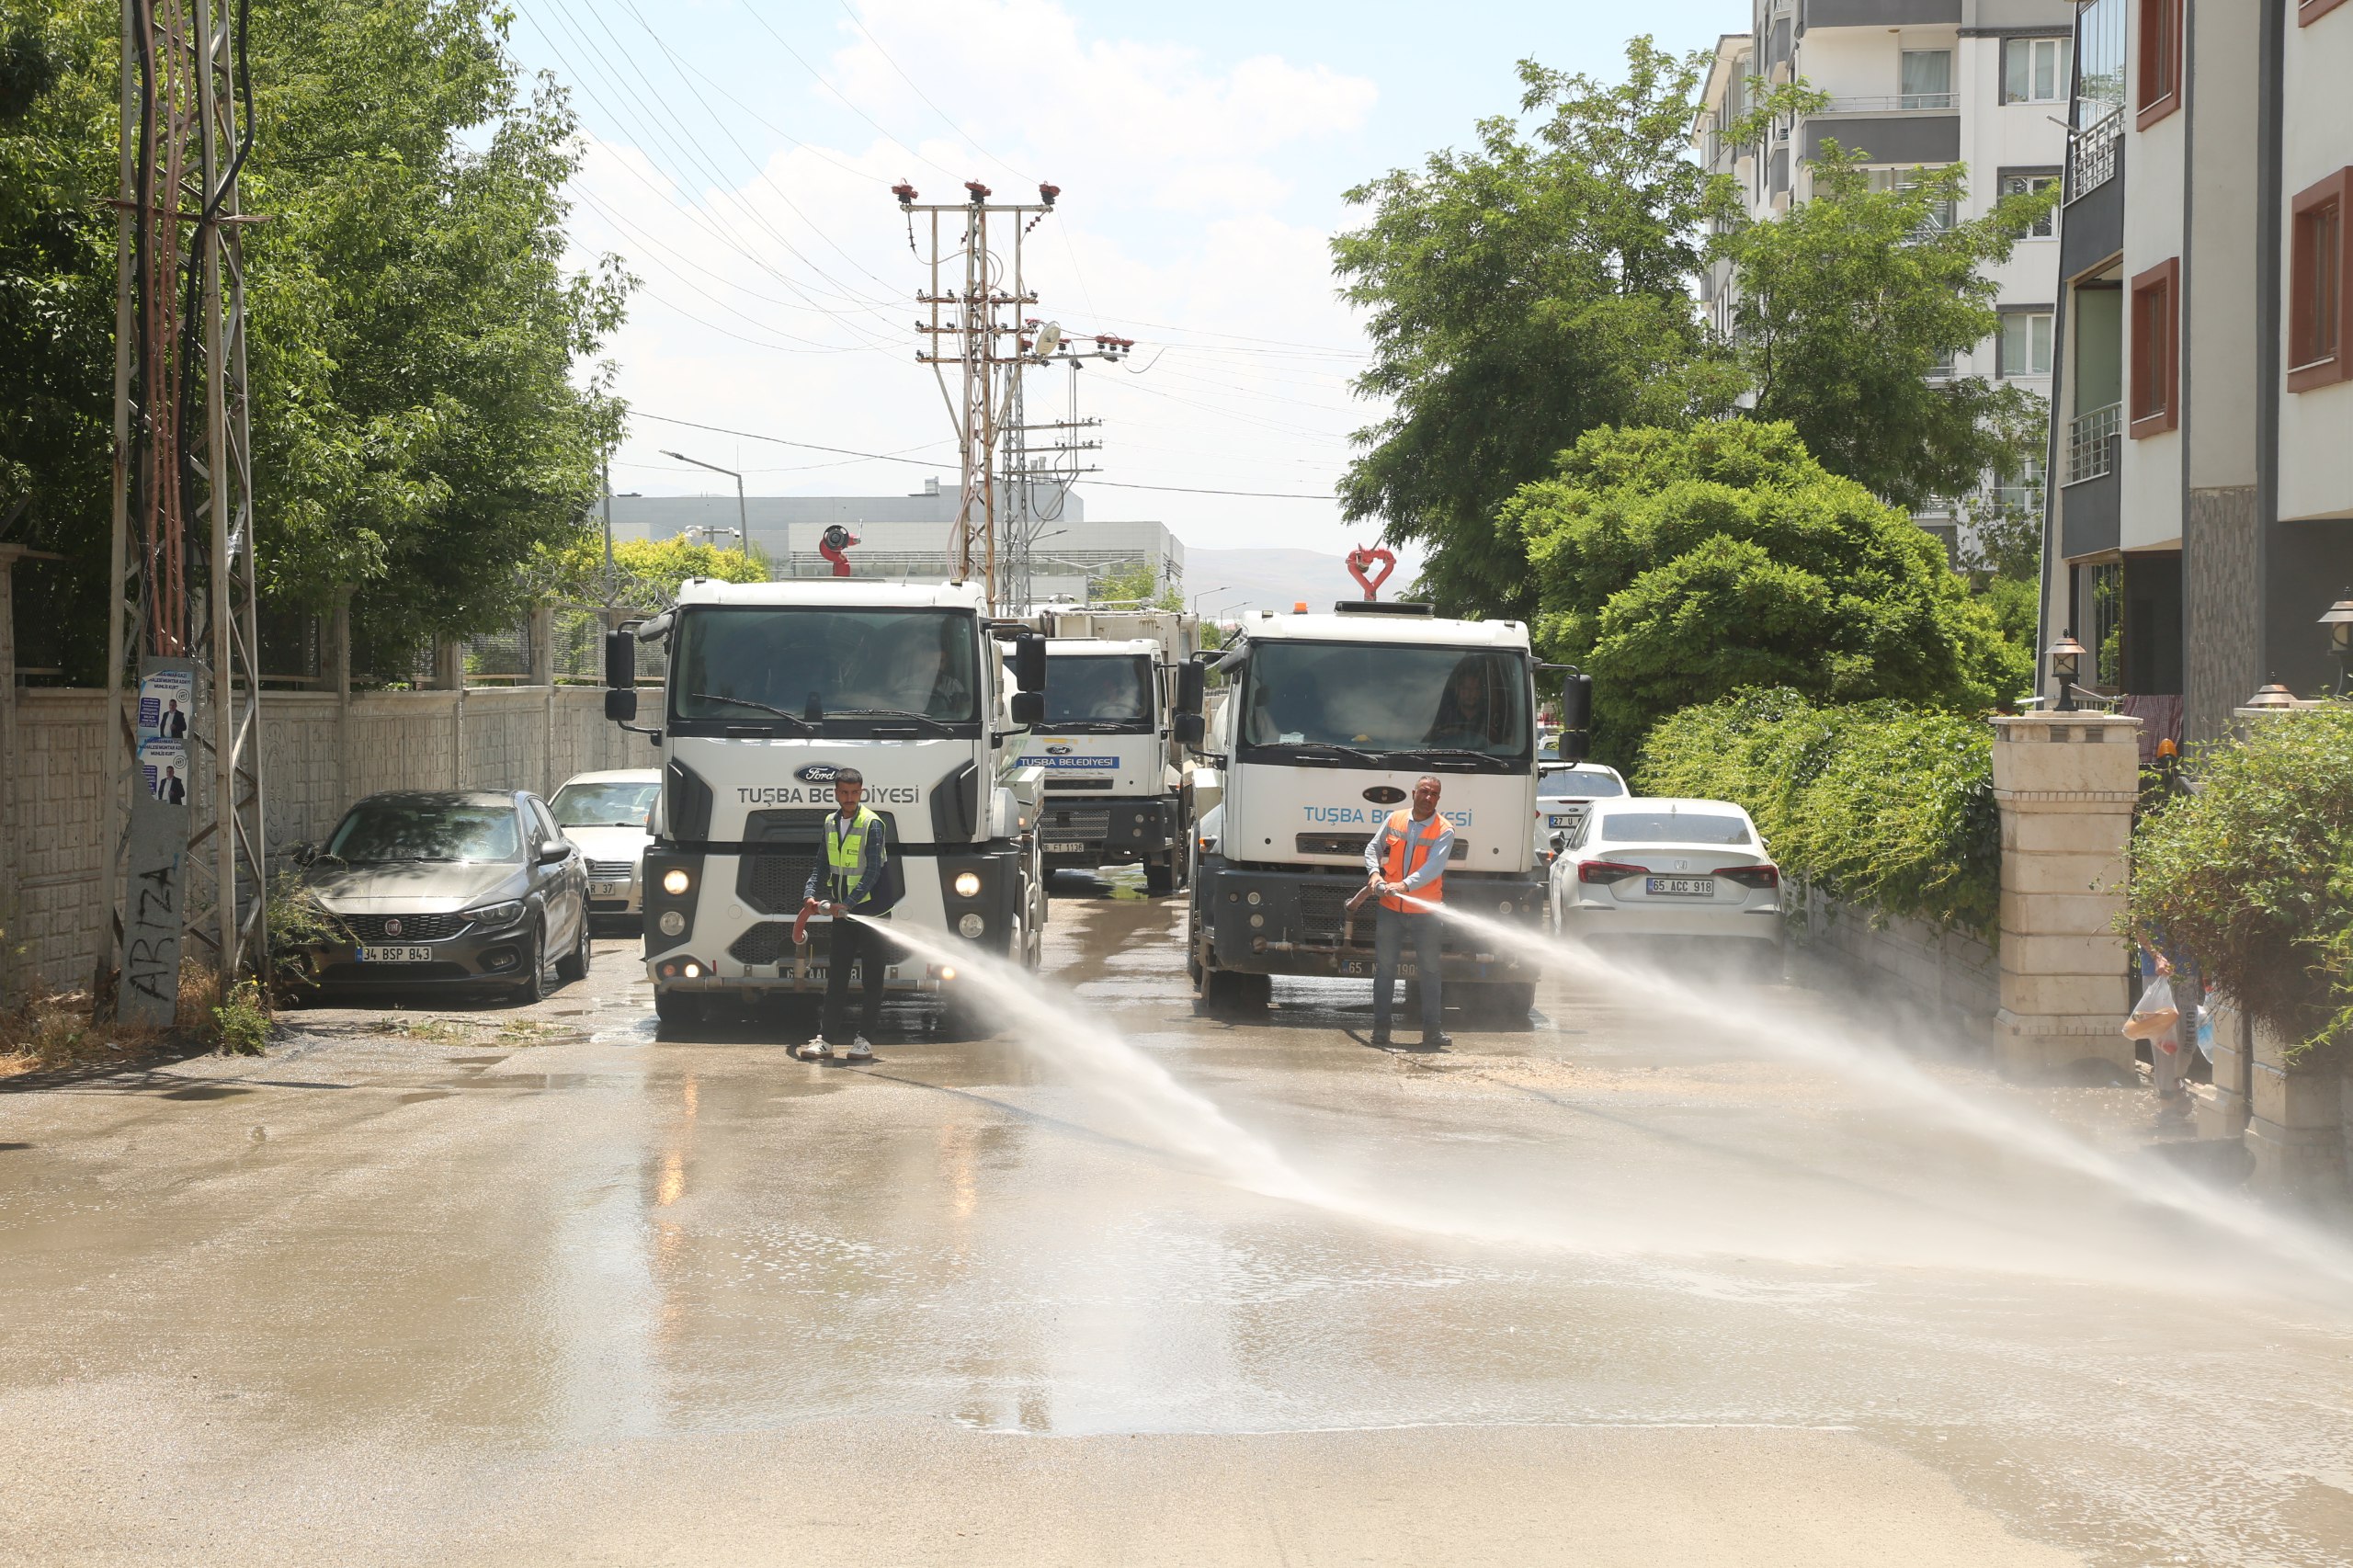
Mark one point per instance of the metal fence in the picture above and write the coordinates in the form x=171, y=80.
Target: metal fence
x=2092, y=439
x=2092, y=155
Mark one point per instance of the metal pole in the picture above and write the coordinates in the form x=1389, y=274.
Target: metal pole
x=113, y=774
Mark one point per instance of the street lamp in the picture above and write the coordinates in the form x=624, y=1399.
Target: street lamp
x=2339, y=621
x=742, y=518
x=2274, y=695
x=1206, y=593
x=2066, y=666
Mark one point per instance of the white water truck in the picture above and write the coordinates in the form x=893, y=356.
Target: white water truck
x=1331, y=719
x=1117, y=787
x=773, y=687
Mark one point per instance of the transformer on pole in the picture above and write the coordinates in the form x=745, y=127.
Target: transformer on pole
x=185, y=856
x=980, y=327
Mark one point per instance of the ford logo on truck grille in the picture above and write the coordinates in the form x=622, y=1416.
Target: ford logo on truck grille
x=1384, y=794
x=1058, y=750
x=822, y=773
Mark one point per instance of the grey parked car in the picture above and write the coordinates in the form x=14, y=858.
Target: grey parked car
x=451, y=889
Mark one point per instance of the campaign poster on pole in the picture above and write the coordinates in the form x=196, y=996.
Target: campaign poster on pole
x=166, y=703
x=164, y=763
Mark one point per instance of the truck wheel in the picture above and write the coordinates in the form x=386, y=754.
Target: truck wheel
x=1193, y=943
x=959, y=1019
x=1230, y=995
x=1160, y=875
x=1506, y=1006
x=675, y=1010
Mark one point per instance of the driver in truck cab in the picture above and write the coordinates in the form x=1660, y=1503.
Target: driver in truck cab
x=855, y=877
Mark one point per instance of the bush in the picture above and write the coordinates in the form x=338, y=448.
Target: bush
x=1876, y=803
x=297, y=922
x=240, y=1024
x=2252, y=877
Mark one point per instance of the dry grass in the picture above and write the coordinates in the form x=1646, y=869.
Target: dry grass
x=52, y=1030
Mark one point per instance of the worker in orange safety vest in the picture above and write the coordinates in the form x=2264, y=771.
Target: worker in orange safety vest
x=1405, y=864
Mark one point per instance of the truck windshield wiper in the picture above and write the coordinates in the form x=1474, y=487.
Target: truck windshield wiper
x=747, y=702
x=1092, y=726
x=1435, y=751
x=891, y=713
x=1368, y=758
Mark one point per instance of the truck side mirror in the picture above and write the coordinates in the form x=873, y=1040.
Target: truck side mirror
x=1576, y=716
x=1030, y=709
x=1190, y=679
x=1188, y=726
x=620, y=661
x=621, y=704
x=1029, y=665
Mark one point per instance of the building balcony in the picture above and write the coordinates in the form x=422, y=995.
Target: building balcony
x=2092, y=441
x=2095, y=155
x=1896, y=103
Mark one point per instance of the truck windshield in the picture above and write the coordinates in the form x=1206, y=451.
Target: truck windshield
x=1370, y=697
x=1099, y=691
x=729, y=661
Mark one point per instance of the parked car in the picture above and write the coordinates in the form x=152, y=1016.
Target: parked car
x=610, y=815
x=449, y=888
x=1564, y=791
x=1649, y=866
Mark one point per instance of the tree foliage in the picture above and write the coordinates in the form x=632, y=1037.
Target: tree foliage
x=2252, y=877
x=1880, y=803
x=419, y=428
x=1847, y=307
x=646, y=572
x=1520, y=294
x=1679, y=566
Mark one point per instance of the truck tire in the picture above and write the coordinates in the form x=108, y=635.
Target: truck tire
x=1506, y=1005
x=1160, y=874
x=1230, y=995
x=1193, y=943
x=675, y=1011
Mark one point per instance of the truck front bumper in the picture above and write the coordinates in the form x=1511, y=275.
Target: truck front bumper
x=1262, y=920
x=1106, y=830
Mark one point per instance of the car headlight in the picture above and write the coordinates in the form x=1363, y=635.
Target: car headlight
x=968, y=885
x=672, y=922
x=496, y=916
x=674, y=882
x=972, y=925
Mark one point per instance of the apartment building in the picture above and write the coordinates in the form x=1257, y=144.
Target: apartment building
x=1914, y=84
x=2201, y=519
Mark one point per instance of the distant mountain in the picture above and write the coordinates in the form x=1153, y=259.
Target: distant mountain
x=1226, y=581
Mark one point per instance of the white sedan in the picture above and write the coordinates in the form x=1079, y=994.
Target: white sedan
x=1564, y=792
x=1643, y=865
x=608, y=815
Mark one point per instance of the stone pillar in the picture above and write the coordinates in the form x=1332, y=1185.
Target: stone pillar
x=2295, y=1127
x=2224, y=1105
x=2065, y=783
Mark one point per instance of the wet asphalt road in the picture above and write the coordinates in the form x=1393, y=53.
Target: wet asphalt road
x=482, y=1285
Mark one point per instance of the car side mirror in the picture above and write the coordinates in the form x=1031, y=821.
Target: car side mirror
x=553, y=851
x=304, y=854
x=1190, y=729
x=1030, y=664
x=1029, y=707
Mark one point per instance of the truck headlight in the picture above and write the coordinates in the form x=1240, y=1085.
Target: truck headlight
x=968, y=885
x=972, y=925
x=674, y=882
x=674, y=922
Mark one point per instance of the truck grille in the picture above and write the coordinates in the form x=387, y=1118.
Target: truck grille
x=1334, y=843
x=370, y=929
x=611, y=870
x=1321, y=910
x=766, y=943
x=1078, y=784
x=1076, y=822
x=773, y=882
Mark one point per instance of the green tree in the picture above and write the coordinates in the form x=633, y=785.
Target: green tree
x=419, y=426
x=1518, y=295
x=1848, y=307
x=1679, y=566
x=646, y=572
x=1138, y=583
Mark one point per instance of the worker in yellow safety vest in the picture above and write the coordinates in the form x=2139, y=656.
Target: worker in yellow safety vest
x=854, y=878
x=1405, y=864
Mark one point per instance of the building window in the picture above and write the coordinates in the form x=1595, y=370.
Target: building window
x=2026, y=182
x=1928, y=78
x=2025, y=344
x=2160, y=60
x=2108, y=625
x=2320, y=281
x=2156, y=392
x=2034, y=70
x=2312, y=11
x=1940, y=215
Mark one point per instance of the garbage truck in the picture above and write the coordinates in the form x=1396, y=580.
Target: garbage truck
x=772, y=689
x=1329, y=721
x=1116, y=783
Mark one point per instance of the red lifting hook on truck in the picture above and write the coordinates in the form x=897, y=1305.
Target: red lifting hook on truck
x=1360, y=561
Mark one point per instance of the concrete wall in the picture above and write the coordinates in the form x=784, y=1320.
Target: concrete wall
x=319, y=754
x=1939, y=969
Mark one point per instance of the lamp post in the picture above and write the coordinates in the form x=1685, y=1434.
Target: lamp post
x=2339, y=621
x=742, y=518
x=2066, y=665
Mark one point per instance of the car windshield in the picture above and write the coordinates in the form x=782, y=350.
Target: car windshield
x=1578, y=783
x=378, y=832
x=604, y=805
x=728, y=661
x=1673, y=827
x=1367, y=697
x=1099, y=689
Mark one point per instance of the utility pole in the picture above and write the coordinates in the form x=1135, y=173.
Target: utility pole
x=1026, y=468
x=743, y=518
x=980, y=326
x=182, y=612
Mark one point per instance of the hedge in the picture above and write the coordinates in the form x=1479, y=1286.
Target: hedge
x=2252, y=877
x=1876, y=803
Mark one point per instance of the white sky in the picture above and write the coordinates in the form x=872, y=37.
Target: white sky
x=1201, y=150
